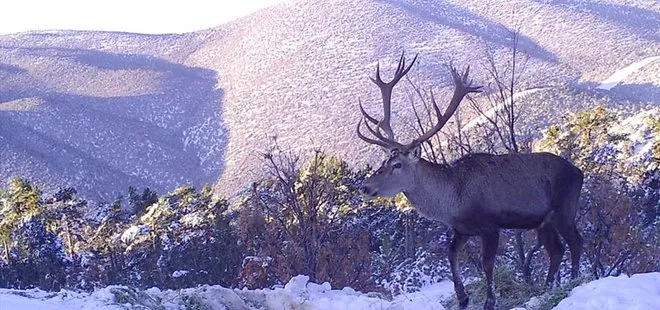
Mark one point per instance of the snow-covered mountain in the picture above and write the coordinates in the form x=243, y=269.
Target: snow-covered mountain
x=102, y=111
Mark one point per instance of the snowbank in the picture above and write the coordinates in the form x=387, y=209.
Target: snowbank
x=299, y=293
x=641, y=291
x=64, y=300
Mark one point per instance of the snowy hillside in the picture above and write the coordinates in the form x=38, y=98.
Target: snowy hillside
x=640, y=291
x=347, y=38
x=102, y=111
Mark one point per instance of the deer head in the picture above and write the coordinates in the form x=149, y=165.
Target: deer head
x=401, y=170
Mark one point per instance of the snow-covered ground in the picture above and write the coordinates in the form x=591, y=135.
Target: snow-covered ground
x=640, y=291
x=64, y=300
x=617, y=77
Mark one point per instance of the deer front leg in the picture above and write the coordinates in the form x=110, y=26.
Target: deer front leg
x=489, y=244
x=457, y=243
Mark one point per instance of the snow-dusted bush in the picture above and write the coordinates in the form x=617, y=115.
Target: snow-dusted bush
x=619, y=197
x=302, y=220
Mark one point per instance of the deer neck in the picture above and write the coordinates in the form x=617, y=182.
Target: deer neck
x=434, y=194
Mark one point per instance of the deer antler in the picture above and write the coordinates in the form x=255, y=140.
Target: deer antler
x=463, y=87
x=386, y=141
x=386, y=91
x=382, y=141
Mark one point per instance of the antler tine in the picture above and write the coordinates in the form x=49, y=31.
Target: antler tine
x=435, y=105
x=465, y=73
x=377, y=80
x=390, y=142
x=401, y=65
x=369, y=140
x=401, y=71
x=382, y=140
x=366, y=115
x=463, y=86
x=376, y=132
x=386, y=91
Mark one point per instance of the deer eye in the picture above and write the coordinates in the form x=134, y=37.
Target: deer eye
x=396, y=166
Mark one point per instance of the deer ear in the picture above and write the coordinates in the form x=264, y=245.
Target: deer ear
x=415, y=153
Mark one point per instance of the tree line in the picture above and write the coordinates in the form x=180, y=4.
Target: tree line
x=306, y=217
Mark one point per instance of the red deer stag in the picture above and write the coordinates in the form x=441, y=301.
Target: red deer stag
x=478, y=194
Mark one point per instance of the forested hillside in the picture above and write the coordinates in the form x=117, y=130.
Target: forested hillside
x=306, y=217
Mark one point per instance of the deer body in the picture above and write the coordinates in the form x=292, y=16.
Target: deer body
x=475, y=192
x=480, y=194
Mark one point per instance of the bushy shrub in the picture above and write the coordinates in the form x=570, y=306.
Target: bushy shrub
x=309, y=224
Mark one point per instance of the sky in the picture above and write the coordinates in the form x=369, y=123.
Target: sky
x=143, y=16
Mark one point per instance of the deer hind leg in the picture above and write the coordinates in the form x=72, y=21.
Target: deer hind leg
x=565, y=224
x=457, y=244
x=566, y=202
x=549, y=238
x=489, y=244
x=575, y=243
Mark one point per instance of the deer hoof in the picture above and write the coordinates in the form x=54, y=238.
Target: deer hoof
x=463, y=302
x=489, y=304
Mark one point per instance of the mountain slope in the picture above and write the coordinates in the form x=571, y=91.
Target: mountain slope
x=297, y=70
x=102, y=111
x=101, y=119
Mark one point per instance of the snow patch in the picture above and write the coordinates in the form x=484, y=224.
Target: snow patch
x=192, y=220
x=617, y=77
x=36, y=299
x=179, y=273
x=133, y=232
x=640, y=291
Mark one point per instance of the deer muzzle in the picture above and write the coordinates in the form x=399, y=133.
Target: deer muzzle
x=368, y=192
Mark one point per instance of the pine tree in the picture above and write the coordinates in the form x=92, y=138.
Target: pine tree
x=41, y=260
x=20, y=203
x=32, y=252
